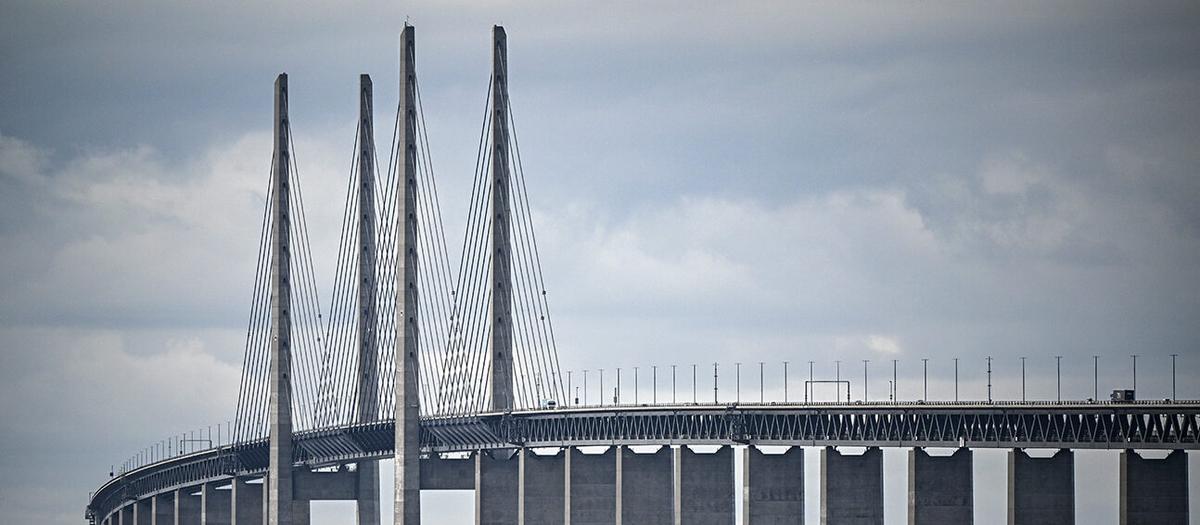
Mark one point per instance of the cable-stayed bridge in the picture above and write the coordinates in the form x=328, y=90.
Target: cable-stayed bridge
x=415, y=357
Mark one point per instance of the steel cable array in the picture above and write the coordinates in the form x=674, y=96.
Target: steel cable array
x=466, y=387
x=307, y=347
x=453, y=324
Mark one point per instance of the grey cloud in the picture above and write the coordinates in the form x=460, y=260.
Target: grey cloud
x=731, y=181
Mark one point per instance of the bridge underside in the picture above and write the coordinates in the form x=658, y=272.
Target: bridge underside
x=585, y=481
x=678, y=485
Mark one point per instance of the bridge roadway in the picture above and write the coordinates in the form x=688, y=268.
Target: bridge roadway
x=154, y=492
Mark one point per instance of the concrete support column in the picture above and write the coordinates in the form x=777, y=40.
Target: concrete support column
x=940, y=488
x=162, y=509
x=497, y=481
x=644, y=488
x=1154, y=491
x=125, y=516
x=301, y=512
x=704, y=487
x=1041, y=490
x=187, y=507
x=438, y=473
x=215, y=505
x=542, y=488
x=368, y=493
x=591, y=492
x=247, y=502
x=143, y=511
x=852, y=487
x=772, y=487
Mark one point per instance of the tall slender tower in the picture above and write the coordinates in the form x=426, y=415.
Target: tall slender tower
x=408, y=425
x=501, y=342
x=368, y=320
x=279, y=472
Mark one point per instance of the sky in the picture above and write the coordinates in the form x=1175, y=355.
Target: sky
x=711, y=182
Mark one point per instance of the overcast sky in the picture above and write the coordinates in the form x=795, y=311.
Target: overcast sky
x=724, y=181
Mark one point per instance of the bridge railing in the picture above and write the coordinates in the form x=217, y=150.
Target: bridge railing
x=1090, y=403
x=178, y=445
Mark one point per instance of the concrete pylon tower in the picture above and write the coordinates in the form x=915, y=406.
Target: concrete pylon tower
x=500, y=345
x=368, y=317
x=279, y=472
x=407, y=510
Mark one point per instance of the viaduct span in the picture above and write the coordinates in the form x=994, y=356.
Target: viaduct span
x=456, y=378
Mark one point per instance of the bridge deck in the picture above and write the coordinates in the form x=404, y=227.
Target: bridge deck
x=1082, y=425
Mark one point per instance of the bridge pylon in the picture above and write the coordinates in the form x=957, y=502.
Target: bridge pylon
x=368, y=316
x=407, y=510
x=501, y=345
x=279, y=472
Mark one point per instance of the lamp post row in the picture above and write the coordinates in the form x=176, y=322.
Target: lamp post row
x=893, y=393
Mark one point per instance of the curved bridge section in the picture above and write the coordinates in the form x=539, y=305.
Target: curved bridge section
x=1170, y=426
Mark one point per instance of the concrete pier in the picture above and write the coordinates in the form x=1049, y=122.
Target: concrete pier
x=438, y=473
x=143, y=511
x=940, y=488
x=591, y=495
x=1041, y=490
x=247, y=502
x=162, y=509
x=852, y=487
x=301, y=512
x=187, y=507
x=496, y=487
x=309, y=485
x=367, y=502
x=1154, y=491
x=772, y=487
x=703, y=488
x=215, y=505
x=542, y=490
x=645, y=488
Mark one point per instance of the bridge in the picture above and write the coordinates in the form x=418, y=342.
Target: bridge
x=455, y=376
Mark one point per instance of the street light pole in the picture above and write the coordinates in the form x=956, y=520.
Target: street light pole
x=654, y=384
x=1173, y=356
x=865, y=396
x=925, y=379
x=1134, y=356
x=1095, y=378
x=1058, y=376
x=617, y=393
x=785, y=382
x=1022, y=379
x=761, y=388
x=989, y=378
x=738, y=382
x=955, y=379
x=694, y=383
x=714, y=383
x=810, y=382
x=895, y=381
